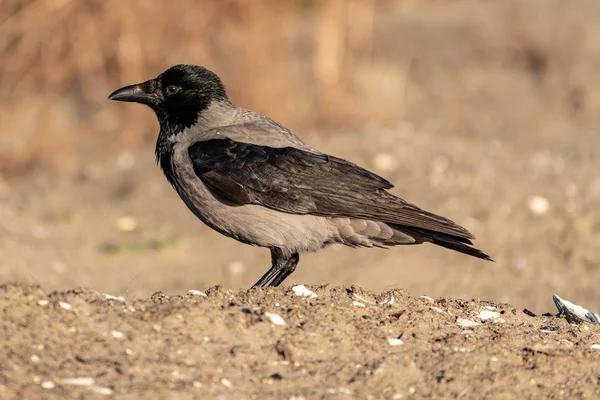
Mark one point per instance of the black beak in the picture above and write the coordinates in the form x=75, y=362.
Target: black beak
x=141, y=93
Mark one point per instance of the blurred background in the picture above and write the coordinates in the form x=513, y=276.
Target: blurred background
x=486, y=112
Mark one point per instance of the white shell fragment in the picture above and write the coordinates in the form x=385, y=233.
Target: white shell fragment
x=395, y=341
x=102, y=390
x=117, y=334
x=596, y=346
x=225, y=382
x=429, y=299
x=358, y=304
x=486, y=314
x=538, y=205
x=194, y=292
x=120, y=299
x=65, y=305
x=48, y=385
x=43, y=302
x=303, y=291
x=275, y=318
x=466, y=323
x=79, y=381
x=573, y=312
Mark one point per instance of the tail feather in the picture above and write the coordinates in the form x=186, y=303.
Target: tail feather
x=456, y=243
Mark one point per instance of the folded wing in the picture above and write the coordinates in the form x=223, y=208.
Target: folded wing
x=301, y=182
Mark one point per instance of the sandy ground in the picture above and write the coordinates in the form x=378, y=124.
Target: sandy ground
x=271, y=343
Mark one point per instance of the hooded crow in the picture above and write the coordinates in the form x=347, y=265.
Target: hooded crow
x=251, y=179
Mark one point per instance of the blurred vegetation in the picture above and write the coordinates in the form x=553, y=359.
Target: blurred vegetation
x=503, y=67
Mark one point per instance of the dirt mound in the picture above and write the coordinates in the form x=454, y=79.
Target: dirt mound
x=275, y=344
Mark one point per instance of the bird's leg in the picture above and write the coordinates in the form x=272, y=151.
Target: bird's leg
x=281, y=268
x=287, y=270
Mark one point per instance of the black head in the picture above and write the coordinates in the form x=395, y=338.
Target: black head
x=177, y=95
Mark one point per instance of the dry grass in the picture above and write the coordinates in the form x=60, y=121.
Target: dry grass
x=304, y=62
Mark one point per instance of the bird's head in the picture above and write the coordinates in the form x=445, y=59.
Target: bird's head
x=177, y=95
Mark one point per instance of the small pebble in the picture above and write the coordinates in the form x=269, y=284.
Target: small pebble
x=303, y=291
x=538, y=205
x=485, y=315
x=437, y=309
x=65, y=305
x=225, y=382
x=466, y=323
x=43, y=302
x=395, y=341
x=127, y=224
x=34, y=358
x=194, y=292
x=275, y=319
x=129, y=352
x=494, y=359
x=78, y=381
x=48, y=384
x=596, y=346
x=117, y=334
x=103, y=390
x=358, y=304
x=120, y=299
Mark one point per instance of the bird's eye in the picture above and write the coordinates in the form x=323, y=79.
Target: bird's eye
x=171, y=90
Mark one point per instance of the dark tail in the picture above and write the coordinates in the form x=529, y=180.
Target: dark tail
x=462, y=245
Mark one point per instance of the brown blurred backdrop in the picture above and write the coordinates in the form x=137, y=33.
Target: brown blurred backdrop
x=484, y=111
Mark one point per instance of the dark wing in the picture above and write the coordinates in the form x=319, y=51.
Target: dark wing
x=300, y=182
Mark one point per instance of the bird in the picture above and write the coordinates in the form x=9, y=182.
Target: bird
x=250, y=178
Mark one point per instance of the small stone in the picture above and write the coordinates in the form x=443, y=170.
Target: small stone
x=225, y=382
x=43, y=302
x=120, y=299
x=275, y=318
x=103, y=390
x=34, y=358
x=595, y=346
x=78, y=381
x=48, y=384
x=466, y=323
x=303, y=291
x=127, y=224
x=117, y=334
x=538, y=205
x=129, y=352
x=194, y=292
x=485, y=315
x=395, y=341
x=197, y=384
x=65, y=305
x=358, y=304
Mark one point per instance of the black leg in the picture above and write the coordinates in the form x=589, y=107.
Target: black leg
x=281, y=268
x=287, y=270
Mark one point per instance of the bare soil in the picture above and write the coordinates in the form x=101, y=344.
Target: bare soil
x=225, y=345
